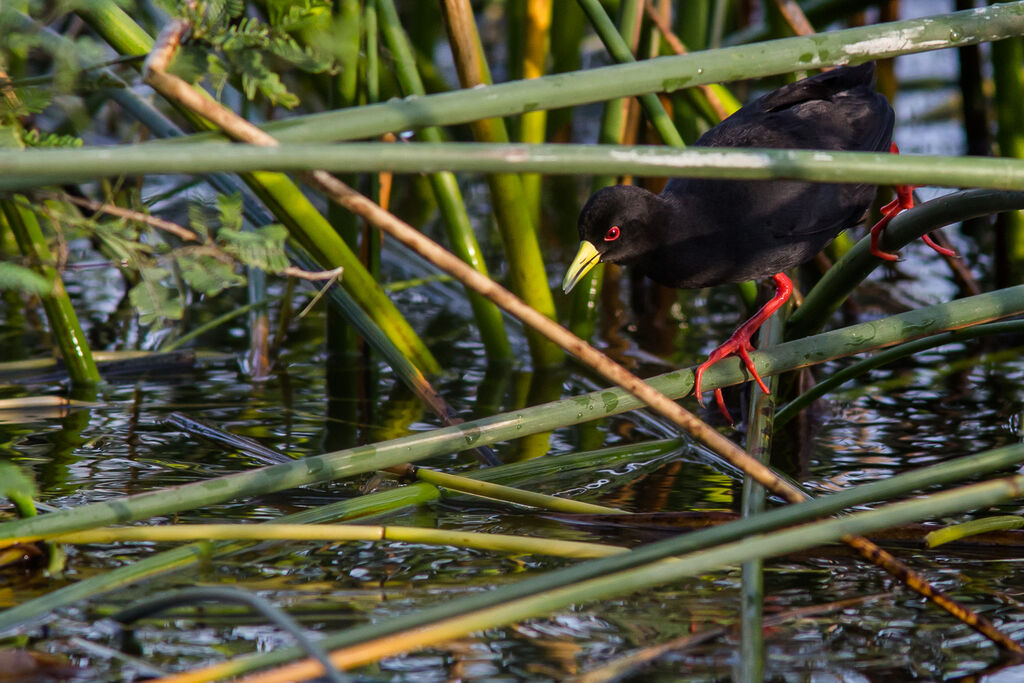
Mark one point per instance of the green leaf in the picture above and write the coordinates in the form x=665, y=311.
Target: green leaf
x=305, y=59
x=230, y=209
x=262, y=248
x=190, y=63
x=17, y=485
x=152, y=300
x=973, y=528
x=197, y=219
x=10, y=138
x=22, y=279
x=206, y=274
x=256, y=75
x=248, y=34
x=25, y=101
x=34, y=139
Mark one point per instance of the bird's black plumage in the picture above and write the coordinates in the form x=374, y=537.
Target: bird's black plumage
x=701, y=232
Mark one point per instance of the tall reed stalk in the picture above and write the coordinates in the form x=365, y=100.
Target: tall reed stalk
x=511, y=209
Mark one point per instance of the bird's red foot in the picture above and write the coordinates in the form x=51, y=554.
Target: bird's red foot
x=739, y=344
x=889, y=212
x=904, y=200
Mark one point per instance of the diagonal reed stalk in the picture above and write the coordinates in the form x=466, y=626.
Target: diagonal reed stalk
x=508, y=200
x=446, y=190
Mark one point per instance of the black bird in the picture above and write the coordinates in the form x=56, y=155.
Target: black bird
x=700, y=232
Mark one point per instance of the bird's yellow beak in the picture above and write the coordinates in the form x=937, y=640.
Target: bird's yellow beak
x=586, y=258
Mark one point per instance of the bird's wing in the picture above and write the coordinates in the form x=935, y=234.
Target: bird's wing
x=835, y=110
x=818, y=209
x=823, y=86
x=784, y=209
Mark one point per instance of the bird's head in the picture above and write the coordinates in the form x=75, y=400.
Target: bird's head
x=616, y=225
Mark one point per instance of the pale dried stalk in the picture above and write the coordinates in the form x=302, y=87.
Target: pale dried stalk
x=795, y=17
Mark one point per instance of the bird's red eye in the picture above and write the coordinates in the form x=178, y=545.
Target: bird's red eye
x=612, y=234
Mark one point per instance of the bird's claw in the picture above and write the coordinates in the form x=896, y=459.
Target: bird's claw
x=942, y=250
x=904, y=200
x=889, y=212
x=720, y=400
x=737, y=345
x=719, y=397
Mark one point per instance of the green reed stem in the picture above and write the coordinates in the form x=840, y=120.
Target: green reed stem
x=533, y=124
x=446, y=190
x=484, y=489
x=31, y=168
x=833, y=382
x=371, y=237
x=620, y=51
x=1007, y=58
x=511, y=211
x=71, y=340
x=583, y=301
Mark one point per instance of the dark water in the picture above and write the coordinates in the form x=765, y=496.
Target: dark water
x=953, y=401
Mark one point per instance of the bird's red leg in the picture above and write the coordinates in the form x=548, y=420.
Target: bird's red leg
x=904, y=200
x=739, y=343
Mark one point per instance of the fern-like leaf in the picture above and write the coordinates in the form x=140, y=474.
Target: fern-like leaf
x=206, y=274
x=262, y=248
x=24, y=102
x=256, y=75
x=34, y=139
x=152, y=300
x=230, y=210
x=305, y=59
